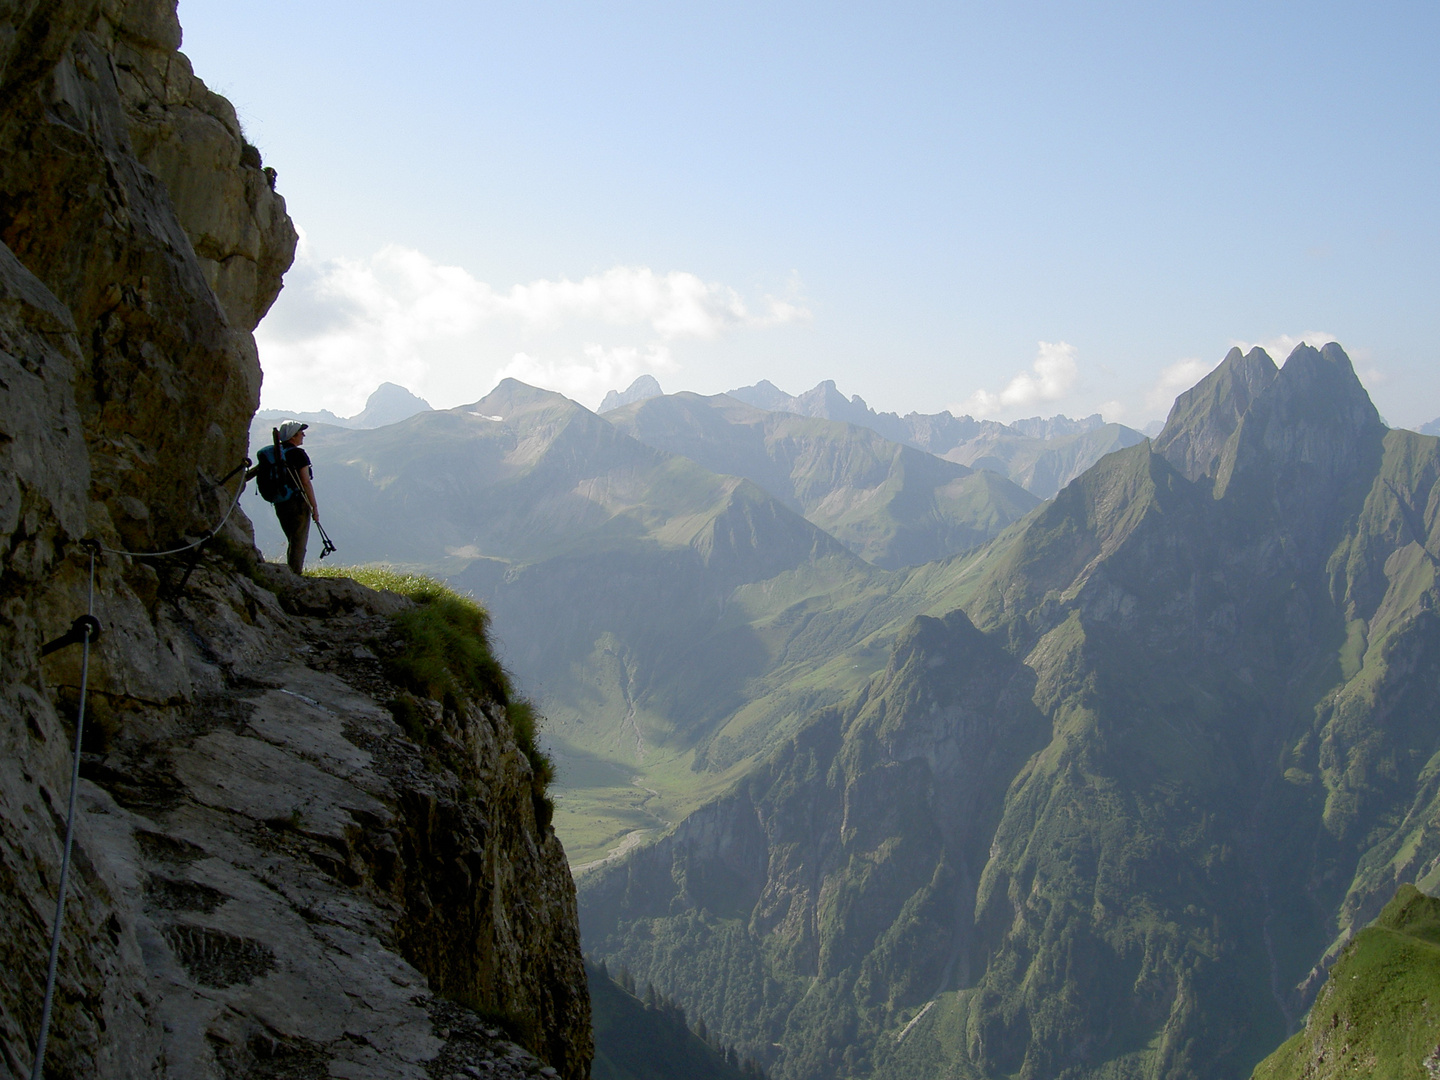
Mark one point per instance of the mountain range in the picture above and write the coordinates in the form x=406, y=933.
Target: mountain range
x=891, y=504
x=680, y=581
x=1041, y=455
x=1102, y=796
x=1113, y=811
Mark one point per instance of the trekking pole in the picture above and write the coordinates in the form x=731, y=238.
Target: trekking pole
x=326, y=547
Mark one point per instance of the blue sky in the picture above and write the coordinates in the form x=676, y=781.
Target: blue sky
x=1010, y=209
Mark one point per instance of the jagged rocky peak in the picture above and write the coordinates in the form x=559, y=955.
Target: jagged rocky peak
x=1204, y=417
x=826, y=401
x=1309, y=434
x=389, y=404
x=642, y=389
x=763, y=395
x=1312, y=415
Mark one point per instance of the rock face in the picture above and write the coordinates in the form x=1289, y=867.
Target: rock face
x=94, y=119
x=269, y=877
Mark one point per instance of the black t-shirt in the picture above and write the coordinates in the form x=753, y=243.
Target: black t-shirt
x=297, y=459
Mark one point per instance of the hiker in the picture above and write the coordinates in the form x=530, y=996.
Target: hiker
x=295, y=506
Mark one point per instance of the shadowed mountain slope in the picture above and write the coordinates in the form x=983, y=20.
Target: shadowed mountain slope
x=891, y=504
x=1110, y=818
x=639, y=1039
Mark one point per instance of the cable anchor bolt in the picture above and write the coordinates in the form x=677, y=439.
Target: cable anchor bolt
x=86, y=627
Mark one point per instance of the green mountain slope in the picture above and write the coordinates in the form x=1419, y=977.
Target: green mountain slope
x=891, y=504
x=1107, y=818
x=1379, y=1013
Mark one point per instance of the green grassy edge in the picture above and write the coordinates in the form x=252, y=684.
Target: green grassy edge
x=1378, y=1015
x=446, y=655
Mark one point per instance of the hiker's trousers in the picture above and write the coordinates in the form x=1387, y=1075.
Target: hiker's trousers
x=294, y=517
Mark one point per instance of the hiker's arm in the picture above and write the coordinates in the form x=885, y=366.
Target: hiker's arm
x=309, y=493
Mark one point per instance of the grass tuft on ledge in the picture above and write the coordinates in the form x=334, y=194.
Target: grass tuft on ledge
x=446, y=655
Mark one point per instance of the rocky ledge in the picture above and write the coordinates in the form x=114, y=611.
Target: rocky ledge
x=283, y=877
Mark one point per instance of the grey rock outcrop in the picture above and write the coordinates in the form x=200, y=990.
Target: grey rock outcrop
x=268, y=874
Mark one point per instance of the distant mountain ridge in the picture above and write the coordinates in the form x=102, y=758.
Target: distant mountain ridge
x=888, y=502
x=928, y=431
x=646, y=386
x=1042, y=455
x=389, y=404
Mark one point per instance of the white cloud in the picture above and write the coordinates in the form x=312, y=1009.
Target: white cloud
x=342, y=326
x=1175, y=380
x=1282, y=345
x=1051, y=375
x=673, y=305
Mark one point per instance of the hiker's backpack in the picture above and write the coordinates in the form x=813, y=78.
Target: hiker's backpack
x=272, y=478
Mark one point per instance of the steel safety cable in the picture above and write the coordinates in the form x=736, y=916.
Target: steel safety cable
x=208, y=536
x=37, y=1072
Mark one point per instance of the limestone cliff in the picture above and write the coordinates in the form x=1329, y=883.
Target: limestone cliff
x=270, y=876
